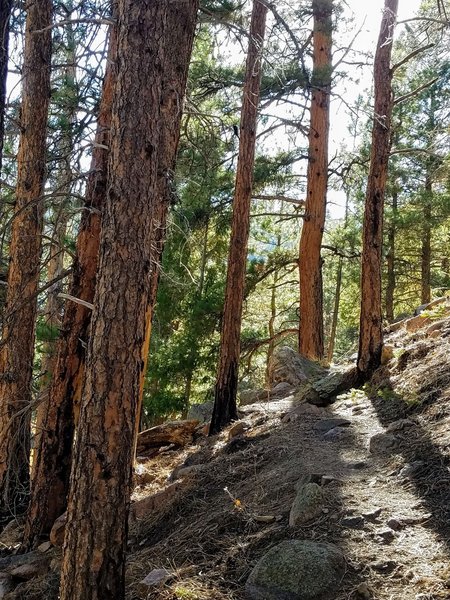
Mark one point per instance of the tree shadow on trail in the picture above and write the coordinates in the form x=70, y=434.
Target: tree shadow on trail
x=424, y=445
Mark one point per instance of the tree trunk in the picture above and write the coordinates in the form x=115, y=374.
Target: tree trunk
x=55, y=266
x=390, y=261
x=426, y=243
x=51, y=469
x=17, y=350
x=227, y=378
x=5, y=15
x=311, y=335
x=271, y=324
x=96, y=530
x=337, y=301
x=181, y=21
x=371, y=337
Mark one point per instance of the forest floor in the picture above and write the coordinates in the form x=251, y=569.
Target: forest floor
x=387, y=501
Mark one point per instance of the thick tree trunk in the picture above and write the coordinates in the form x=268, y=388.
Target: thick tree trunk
x=181, y=21
x=53, y=457
x=17, y=350
x=96, y=531
x=371, y=337
x=227, y=378
x=390, y=261
x=426, y=243
x=311, y=335
x=5, y=14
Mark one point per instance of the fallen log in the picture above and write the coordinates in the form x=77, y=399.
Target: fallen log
x=178, y=433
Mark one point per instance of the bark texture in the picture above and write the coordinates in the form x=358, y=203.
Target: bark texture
x=181, y=21
x=227, y=378
x=17, y=348
x=390, y=260
x=371, y=336
x=96, y=531
x=53, y=459
x=311, y=334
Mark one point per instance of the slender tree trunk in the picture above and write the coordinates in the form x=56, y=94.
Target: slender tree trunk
x=96, y=531
x=17, y=350
x=390, y=261
x=371, y=337
x=54, y=305
x=311, y=335
x=227, y=377
x=271, y=324
x=426, y=243
x=5, y=15
x=53, y=458
x=334, y=321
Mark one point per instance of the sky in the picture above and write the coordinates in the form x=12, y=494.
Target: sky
x=368, y=14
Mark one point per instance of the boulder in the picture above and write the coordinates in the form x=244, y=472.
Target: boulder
x=307, y=505
x=415, y=323
x=290, y=367
x=382, y=443
x=281, y=390
x=328, y=387
x=297, y=570
x=336, y=434
x=201, y=412
x=248, y=397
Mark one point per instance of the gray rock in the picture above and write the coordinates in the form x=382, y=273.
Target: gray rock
x=399, y=425
x=201, y=412
x=386, y=535
x=297, y=570
x=304, y=409
x=307, y=505
x=334, y=383
x=238, y=428
x=395, y=524
x=248, y=397
x=326, y=424
x=382, y=443
x=372, y=515
x=356, y=522
x=337, y=433
x=290, y=367
x=281, y=390
x=155, y=579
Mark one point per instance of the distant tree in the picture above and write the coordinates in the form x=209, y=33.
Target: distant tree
x=371, y=337
x=17, y=348
x=5, y=15
x=229, y=354
x=311, y=331
x=100, y=488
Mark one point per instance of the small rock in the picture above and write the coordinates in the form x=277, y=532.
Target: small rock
x=156, y=578
x=307, y=504
x=327, y=479
x=297, y=569
x=358, y=465
x=181, y=472
x=363, y=590
x=356, y=522
x=58, y=531
x=328, y=424
x=142, y=475
x=411, y=468
x=372, y=515
x=238, y=428
x=384, y=566
x=381, y=443
x=394, y=524
x=44, y=547
x=335, y=434
x=282, y=390
x=387, y=535
x=303, y=409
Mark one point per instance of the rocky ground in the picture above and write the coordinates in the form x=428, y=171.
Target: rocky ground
x=298, y=501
